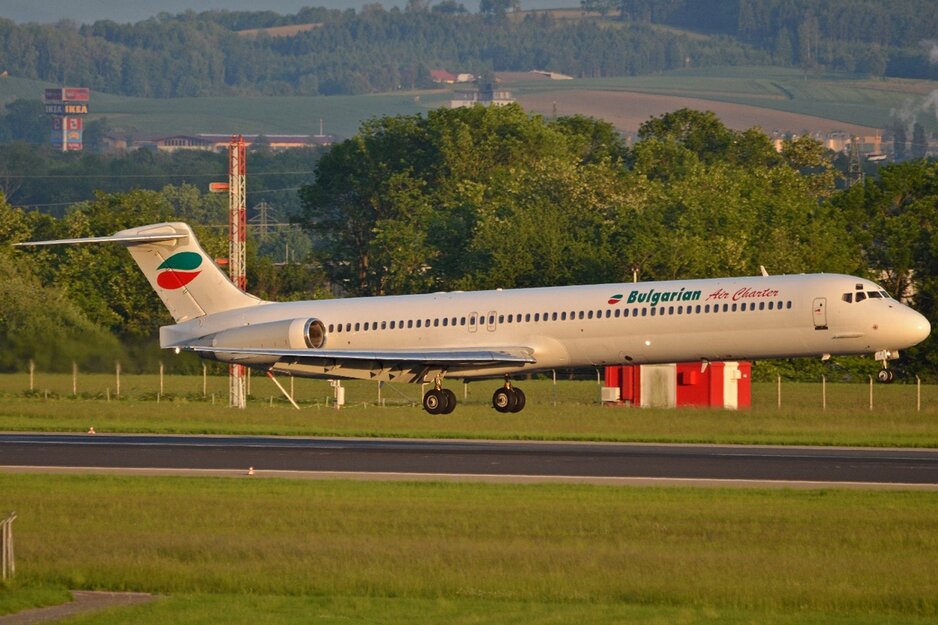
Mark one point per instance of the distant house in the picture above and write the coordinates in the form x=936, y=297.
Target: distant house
x=442, y=76
x=446, y=78
x=219, y=142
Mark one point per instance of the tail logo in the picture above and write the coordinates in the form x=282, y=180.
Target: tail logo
x=179, y=270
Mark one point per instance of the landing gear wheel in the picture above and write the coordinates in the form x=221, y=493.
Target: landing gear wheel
x=450, y=401
x=504, y=400
x=519, y=399
x=885, y=376
x=437, y=402
x=508, y=399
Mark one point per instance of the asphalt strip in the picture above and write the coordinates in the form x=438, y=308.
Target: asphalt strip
x=83, y=601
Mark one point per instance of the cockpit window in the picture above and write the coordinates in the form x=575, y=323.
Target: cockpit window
x=848, y=297
x=861, y=296
x=874, y=295
x=885, y=294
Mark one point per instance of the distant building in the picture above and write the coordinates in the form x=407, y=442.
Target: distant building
x=219, y=143
x=444, y=77
x=487, y=94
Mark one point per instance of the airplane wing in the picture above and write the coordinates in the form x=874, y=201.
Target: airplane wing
x=394, y=364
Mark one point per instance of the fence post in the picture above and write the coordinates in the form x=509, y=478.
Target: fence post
x=117, y=377
x=32, y=375
x=161, y=380
x=205, y=382
x=824, y=392
x=778, y=388
x=7, y=561
x=871, y=392
x=918, y=394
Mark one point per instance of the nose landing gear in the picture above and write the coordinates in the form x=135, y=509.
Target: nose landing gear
x=885, y=375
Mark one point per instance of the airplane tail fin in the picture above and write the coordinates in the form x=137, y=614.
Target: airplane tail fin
x=184, y=276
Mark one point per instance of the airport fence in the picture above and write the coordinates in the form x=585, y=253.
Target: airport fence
x=7, y=561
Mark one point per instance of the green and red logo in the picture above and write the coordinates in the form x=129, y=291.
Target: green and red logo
x=615, y=299
x=179, y=270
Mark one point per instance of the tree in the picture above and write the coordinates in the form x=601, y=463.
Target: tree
x=25, y=121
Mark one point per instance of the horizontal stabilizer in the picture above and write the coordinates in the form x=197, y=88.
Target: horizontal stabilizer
x=115, y=238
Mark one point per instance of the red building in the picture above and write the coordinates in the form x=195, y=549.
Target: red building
x=715, y=385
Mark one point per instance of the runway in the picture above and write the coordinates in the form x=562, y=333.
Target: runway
x=473, y=460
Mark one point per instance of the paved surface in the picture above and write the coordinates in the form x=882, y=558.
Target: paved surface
x=519, y=461
x=83, y=601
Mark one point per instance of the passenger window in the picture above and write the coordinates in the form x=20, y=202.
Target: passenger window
x=348, y=327
x=761, y=305
x=590, y=315
x=501, y=318
x=410, y=324
x=357, y=326
x=771, y=305
x=419, y=322
x=384, y=325
x=445, y=321
x=527, y=317
x=788, y=305
x=554, y=316
x=618, y=313
x=331, y=328
x=392, y=325
x=436, y=323
x=625, y=313
x=462, y=321
x=644, y=312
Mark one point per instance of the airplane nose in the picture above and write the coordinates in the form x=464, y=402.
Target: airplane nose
x=916, y=328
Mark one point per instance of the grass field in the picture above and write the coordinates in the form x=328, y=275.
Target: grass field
x=276, y=551
x=568, y=411
x=847, y=100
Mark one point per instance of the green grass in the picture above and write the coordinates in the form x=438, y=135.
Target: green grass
x=569, y=411
x=835, y=96
x=387, y=552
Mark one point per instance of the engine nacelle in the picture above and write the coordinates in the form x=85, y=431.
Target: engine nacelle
x=286, y=334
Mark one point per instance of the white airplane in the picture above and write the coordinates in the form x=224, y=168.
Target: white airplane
x=485, y=334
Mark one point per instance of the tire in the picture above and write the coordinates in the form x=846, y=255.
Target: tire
x=435, y=402
x=450, y=401
x=885, y=376
x=519, y=399
x=504, y=400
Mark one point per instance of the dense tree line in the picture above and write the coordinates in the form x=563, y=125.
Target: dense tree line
x=863, y=36
x=347, y=52
x=494, y=197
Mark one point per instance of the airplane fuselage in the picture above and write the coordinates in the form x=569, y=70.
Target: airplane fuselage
x=654, y=322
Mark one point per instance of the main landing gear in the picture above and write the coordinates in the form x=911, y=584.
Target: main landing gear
x=508, y=398
x=439, y=400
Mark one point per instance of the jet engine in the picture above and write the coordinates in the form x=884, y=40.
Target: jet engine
x=285, y=334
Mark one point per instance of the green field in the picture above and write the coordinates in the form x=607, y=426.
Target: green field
x=278, y=551
x=568, y=411
x=832, y=96
x=838, y=97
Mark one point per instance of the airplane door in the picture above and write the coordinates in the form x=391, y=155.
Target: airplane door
x=473, y=322
x=820, y=313
x=490, y=321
